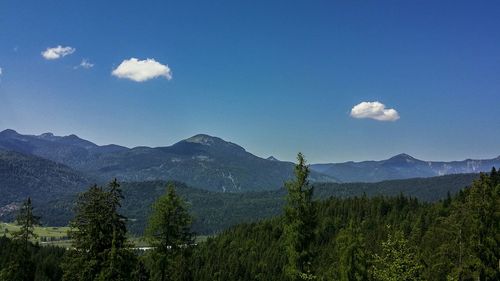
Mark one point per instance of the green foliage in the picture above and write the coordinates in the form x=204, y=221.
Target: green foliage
x=351, y=262
x=27, y=222
x=214, y=212
x=467, y=241
x=300, y=224
x=454, y=239
x=169, y=233
x=424, y=189
x=20, y=266
x=169, y=224
x=35, y=263
x=23, y=176
x=397, y=261
x=99, y=238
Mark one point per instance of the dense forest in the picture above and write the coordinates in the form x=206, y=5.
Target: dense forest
x=356, y=238
x=378, y=238
x=214, y=212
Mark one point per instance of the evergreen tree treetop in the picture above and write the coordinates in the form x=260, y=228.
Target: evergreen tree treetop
x=300, y=224
x=169, y=232
x=170, y=222
x=27, y=220
x=98, y=230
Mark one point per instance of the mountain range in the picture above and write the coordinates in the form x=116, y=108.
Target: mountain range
x=202, y=161
x=402, y=166
x=211, y=163
x=52, y=170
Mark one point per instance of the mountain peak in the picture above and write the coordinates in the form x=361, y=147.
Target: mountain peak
x=76, y=140
x=47, y=135
x=403, y=156
x=70, y=140
x=204, y=139
x=211, y=141
x=400, y=159
x=272, y=158
x=72, y=137
x=8, y=132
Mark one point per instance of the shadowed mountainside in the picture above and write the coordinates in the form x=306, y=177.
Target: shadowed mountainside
x=202, y=161
x=43, y=180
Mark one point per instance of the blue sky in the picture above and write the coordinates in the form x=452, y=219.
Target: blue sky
x=276, y=77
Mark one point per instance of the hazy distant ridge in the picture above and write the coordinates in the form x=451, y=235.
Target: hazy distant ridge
x=212, y=163
x=401, y=166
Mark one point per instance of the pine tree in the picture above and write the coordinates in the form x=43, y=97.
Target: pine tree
x=99, y=238
x=20, y=266
x=17, y=269
x=168, y=231
x=27, y=221
x=300, y=224
x=470, y=247
x=119, y=228
x=482, y=205
x=494, y=177
x=352, y=259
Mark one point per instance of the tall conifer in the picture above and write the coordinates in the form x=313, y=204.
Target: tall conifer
x=168, y=231
x=300, y=224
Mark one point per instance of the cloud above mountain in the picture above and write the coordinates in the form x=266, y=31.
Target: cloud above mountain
x=142, y=70
x=57, y=52
x=374, y=110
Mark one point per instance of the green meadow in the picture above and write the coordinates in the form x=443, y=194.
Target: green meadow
x=45, y=234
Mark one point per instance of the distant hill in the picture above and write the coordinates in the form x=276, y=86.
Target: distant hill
x=43, y=180
x=216, y=211
x=53, y=169
x=425, y=189
x=211, y=163
x=202, y=161
x=401, y=166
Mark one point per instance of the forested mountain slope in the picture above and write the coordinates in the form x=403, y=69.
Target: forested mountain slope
x=357, y=238
x=202, y=161
x=43, y=180
x=215, y=211
x=371, y=239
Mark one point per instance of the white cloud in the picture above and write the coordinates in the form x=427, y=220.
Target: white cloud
x=57, y=52
x=84, y=64
x=1, y=71
x=374, y=110
x=142, y=70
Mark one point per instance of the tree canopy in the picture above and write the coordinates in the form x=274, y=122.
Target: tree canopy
x=169, y=232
